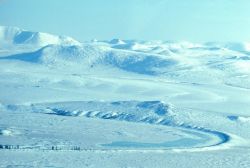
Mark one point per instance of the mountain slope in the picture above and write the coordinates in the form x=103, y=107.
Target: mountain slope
x=92, y=56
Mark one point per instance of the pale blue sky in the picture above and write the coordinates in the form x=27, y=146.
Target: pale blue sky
x=191, y=20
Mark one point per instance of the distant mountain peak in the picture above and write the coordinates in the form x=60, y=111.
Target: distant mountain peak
x=117, y=41
x=15, y=36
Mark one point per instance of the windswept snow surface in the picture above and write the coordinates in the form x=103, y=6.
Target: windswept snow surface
x=122, y=103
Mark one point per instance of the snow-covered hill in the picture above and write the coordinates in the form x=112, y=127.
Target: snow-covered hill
x=150, y=58
x=91, y=56
x=17, y=36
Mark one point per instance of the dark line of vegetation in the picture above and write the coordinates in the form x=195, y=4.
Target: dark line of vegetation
x=48, y=148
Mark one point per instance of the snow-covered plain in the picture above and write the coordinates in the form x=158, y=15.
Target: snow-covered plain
x=122, y=103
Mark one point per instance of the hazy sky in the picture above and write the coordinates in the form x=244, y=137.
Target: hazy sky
x=191, y=20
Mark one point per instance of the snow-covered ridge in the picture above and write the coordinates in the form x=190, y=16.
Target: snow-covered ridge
x=149, y=112
x=16, y=36
x=91, y=56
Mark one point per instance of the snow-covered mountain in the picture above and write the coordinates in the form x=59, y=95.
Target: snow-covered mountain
x=179, y=59
x=143, y=57
x=17, y=36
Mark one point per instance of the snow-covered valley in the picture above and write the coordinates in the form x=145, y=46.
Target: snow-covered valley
x=122, y=103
